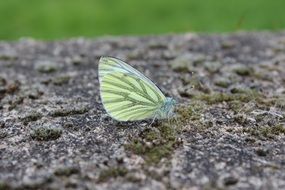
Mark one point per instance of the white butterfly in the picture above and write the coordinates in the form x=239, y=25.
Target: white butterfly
x=128, y=95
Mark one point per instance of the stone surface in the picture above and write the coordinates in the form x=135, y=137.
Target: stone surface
x=230, y=126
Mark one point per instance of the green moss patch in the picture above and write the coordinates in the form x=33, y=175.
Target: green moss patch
x=4, y=185
x=107, y=174
x=61, y=80
x=154, y=143
x=46, y=133
x=46, y=66
x=266, y=132
x=69, y=111
x=66, y=171
x=222, y=82
x=33, y=116
x=221, y=97
x=243, y=96
x=192, y=111
x=243, y=70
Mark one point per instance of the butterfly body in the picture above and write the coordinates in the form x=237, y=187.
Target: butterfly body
x=127, y=95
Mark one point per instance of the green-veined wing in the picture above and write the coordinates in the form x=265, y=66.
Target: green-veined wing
x=126, y=93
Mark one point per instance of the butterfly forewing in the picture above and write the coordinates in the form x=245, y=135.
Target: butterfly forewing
x=110, y=64
x=126, y=93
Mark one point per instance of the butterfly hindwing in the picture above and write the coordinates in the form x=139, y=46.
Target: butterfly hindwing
x=125, y=94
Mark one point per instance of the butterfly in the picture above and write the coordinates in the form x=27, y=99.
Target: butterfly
x=128, y=95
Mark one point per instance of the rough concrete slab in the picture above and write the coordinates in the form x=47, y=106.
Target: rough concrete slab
x=229, y=132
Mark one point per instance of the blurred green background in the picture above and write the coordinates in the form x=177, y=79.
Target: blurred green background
x=59, y=19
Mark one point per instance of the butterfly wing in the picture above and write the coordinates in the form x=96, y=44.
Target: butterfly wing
x=111, y=64
x=127, y=95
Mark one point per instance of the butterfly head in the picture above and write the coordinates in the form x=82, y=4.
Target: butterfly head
x=167, y=110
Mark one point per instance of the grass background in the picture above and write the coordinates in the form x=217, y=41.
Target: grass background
x=59, y=19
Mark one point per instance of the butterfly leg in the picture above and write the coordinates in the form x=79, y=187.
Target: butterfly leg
x=153, y=120
x=176, y=121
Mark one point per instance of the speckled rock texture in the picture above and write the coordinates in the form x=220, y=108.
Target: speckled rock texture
x=229, y=130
